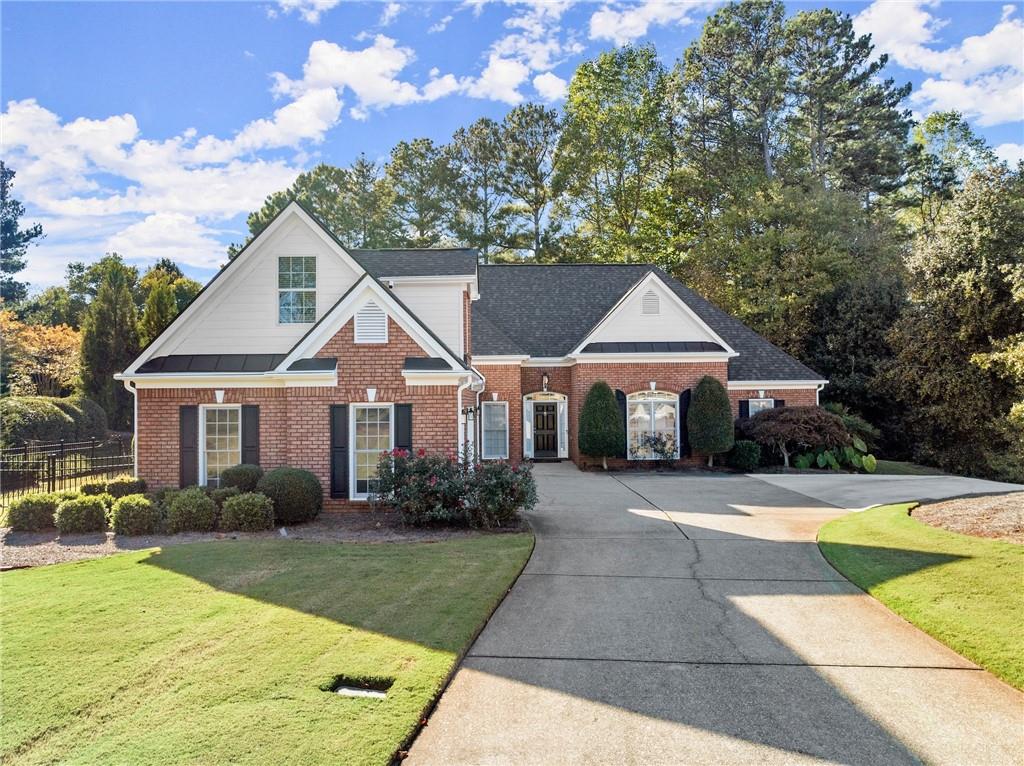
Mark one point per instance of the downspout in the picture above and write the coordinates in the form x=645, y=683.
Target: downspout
x=135, y=426
x=817, y=393
x=478, y=427
x=461, y=447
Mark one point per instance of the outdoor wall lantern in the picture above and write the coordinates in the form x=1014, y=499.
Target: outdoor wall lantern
x=469, y=413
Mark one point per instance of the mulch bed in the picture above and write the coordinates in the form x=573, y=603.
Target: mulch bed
x=1000, y=517
x=28, y=549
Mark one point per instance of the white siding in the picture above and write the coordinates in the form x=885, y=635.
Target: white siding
x=439, y=307
x=243, y=318
x=630, y=323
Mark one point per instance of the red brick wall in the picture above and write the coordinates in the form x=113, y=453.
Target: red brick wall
x=504, y=380
x=294, y=422
x=794, y=397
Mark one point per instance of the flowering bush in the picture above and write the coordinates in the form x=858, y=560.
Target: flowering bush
x=440, y=489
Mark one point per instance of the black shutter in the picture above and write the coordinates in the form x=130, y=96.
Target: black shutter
x=780, y=403
x=188, y=445
x=251, y=434
x=403, y=427
x=684, y=428
x=744, y=408
x=339, y=450
x=620, y=397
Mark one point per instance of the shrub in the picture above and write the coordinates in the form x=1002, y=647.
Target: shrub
x=121, y=486
x=45, y=418
x=855, y=425
x=745, y=455
x=296, y=494
x=97, y=487
x=248, y=512
x=426, y=489
x=499, y=492
x=107, y=499
x=31, y=513
x=220, y=494
x=243, y=476
x=134, y=515
x=81, y=514
x=602, y=432
x=788, y=429
x=191, y=510
x=709, y=420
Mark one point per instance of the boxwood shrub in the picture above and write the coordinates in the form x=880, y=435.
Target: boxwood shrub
x=31, y=513
x=296, y=494
x=121, y=486
x=81, y=514
x=134, y=515
x=244, y=476
x=220, y=494
x=248, y=512
x=191, y=510
x=745, y=455
x=94, y=487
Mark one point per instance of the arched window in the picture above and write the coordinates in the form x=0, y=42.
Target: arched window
x=652, y=425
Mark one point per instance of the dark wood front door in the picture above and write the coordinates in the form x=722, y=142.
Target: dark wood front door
x=545, y=429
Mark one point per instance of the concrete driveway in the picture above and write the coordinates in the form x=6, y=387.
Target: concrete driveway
x=675, y=619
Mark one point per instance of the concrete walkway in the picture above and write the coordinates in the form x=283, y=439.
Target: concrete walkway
x=668, y=619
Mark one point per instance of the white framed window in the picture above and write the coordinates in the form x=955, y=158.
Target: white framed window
x=371, y=324
x=494, y=427
x=373, y=432
x=220, y=441
x=296, y=289
x=756, y=405
x=652, y=425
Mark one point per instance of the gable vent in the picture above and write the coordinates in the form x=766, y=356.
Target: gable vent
x=650, y=304
x=371, y=324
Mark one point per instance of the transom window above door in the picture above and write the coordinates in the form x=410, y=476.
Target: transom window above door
x=652, y=425
x=296, y=289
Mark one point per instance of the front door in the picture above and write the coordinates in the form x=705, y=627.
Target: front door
x=545, y=429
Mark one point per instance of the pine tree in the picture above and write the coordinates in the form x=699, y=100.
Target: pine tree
x=110, y=342
x=160, y=310
x=529, y=134
x=14, y=242
x=421, y=175
x=709, y=420
x=481, y=205
x=602, y=431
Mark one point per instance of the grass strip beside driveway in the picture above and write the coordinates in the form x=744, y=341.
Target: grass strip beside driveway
x=967, y=592
x=216, y=652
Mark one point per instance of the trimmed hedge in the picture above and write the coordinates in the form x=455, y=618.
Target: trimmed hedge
x=244, y=476
x=81, y=514
x=47, y=418
x=249, y=512
x=191, y=510
x=745, y=455
x=122, y=486
x=97, y=487
x=134, y=515
x=601, y=431
x=31, y=513
x=220, y=494
x=709, y=420
x=296, y=494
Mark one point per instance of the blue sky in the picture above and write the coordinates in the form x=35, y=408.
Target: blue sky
x=153, y=128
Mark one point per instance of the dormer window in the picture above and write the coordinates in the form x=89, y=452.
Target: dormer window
x=371, y=324
x=650, y=303
x=296, y=289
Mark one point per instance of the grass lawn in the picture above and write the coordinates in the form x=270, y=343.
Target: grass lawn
x=902, y=468
x=216, y=652
x=968, y=592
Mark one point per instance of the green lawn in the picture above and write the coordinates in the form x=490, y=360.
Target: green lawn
x=967, y=592
x=216, y=652
x=902, y=468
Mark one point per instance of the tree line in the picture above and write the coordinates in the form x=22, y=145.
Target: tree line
x=775, y=169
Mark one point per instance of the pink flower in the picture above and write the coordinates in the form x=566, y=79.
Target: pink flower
x=433, y=481
x=421, y=452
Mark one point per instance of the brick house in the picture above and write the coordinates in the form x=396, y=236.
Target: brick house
x=304, y=352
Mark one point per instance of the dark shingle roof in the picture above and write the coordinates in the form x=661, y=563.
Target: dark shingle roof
x=417, y=262
x=545, y=311
x=425, y=363
x=655, y=347
x=197, y=363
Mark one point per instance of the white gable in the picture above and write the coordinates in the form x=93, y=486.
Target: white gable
x=651, y=313
x=439, y=306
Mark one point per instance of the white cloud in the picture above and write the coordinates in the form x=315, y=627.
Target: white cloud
x=1010, y=153
x=550, y=86
x=390, y=13
x=623, y=24
x=500, y=80
x=982, y=76
x=169, y=235
x=440, y=26
x=309, y=11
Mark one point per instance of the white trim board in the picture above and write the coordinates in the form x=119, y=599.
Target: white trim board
x=776, y=385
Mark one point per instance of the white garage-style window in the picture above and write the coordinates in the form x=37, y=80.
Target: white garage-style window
x=494, y=423
x=220, y=442
x=756, y=405
x=652, y=425
x=373, y=432
x=296, y=289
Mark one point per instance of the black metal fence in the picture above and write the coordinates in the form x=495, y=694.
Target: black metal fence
x=53, y=466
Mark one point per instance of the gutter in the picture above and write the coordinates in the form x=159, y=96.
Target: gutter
x=135, y=424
